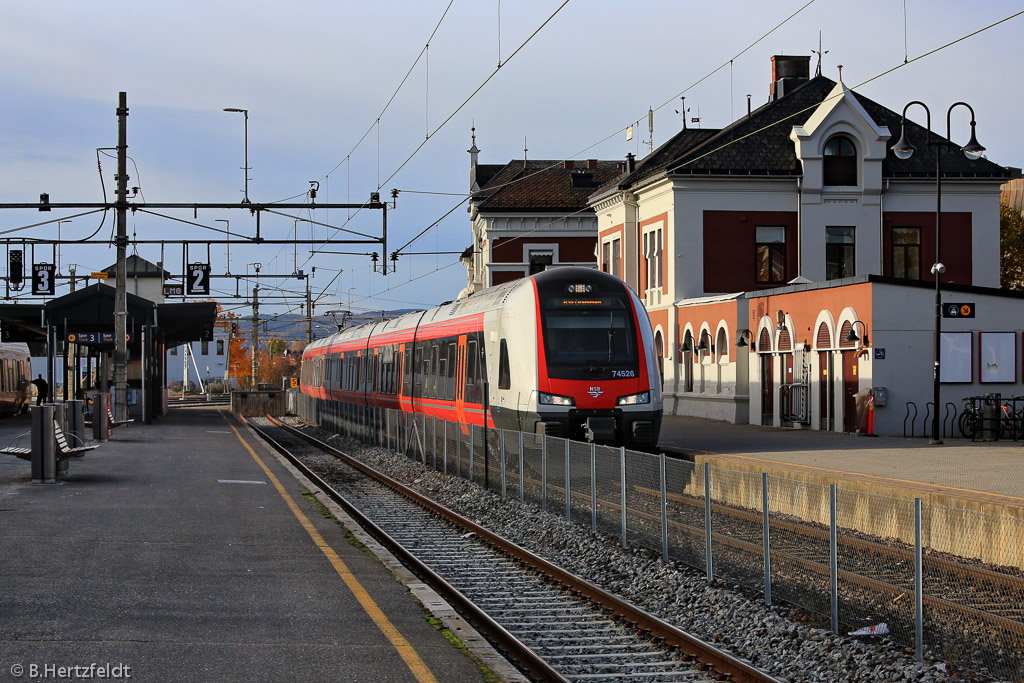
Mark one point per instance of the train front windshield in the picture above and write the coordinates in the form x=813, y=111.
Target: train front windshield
x=591, y=336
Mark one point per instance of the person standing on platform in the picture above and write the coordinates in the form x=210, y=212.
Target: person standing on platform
x=43, y=387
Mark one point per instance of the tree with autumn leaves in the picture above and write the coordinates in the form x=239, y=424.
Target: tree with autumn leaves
x=1011, y=240
x=277, y=359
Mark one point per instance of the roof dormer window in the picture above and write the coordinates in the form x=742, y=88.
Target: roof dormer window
x=840, y=161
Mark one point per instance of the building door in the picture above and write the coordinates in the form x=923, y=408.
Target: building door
x=767, y=389
x=826, y=392
x=786, y=389
x=850, y=389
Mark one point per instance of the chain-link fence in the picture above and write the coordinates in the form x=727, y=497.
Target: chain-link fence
x=851, y=559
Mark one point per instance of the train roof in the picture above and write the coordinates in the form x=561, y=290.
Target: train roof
x=483, y=301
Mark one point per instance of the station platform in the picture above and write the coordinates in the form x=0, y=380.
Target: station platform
x=185, y=550
x=985, y=479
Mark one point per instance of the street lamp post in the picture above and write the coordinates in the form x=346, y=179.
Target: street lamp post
x=245, y=132
x=904, y=149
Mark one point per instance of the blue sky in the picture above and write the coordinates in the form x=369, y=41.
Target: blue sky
x=315, y=75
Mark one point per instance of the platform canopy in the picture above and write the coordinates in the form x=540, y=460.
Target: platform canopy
x=91, y=310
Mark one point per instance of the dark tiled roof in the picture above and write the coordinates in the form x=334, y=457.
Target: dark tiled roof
x=542, y=186
x=484, y=172
x=759, y=144
x=138, y=267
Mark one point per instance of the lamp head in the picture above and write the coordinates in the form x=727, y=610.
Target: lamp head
x=904, y=148
x=972, y=150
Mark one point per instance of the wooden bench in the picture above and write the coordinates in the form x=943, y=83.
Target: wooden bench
x=64, y=449
x=111, y=421
x=16, y=449
x=117, y=423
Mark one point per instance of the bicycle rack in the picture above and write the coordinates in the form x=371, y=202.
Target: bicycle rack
x=927, y=417
x=952, y=421
x=912, y=420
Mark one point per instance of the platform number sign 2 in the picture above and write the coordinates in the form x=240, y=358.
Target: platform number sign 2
x=198, y=278
x=42, y=278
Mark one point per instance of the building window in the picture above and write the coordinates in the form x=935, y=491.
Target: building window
x=840, y=161
x=540, y=260
x=206, y=348
x=174, y=351
x=652, y=252
x=606, y=257
x=770, y=254
x=906, y=253
x=617, y=258
x=839, y=253
x=220, y=347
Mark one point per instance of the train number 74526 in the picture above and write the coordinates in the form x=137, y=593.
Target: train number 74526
x=623, y=373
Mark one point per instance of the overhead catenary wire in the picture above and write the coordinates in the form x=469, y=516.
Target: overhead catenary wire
x=763, y=128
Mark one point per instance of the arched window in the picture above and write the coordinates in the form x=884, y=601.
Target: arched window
x=840, y=161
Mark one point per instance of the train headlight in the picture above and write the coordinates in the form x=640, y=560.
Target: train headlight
x=634, y=399
x=555, y=400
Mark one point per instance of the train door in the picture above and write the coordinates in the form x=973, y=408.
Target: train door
x=826, y=392
x=850, y=384
x=460, y=384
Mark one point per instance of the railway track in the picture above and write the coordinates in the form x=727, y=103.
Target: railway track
x=551, y=624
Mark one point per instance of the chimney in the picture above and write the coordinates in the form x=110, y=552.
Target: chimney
x=568, y=163
x=630, y=163
x=591, y=163
x=788, y=72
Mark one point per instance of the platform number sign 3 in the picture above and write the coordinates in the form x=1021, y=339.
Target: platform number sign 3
x=42, y=278
x=198, y=278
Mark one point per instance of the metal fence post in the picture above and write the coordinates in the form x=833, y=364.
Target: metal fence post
x=622, y=478
x=445, y=446
x=593, y=487
x=433, y=429
x=568, y=488
x=833, y=560
x=767, y=544
x=544, y=472
x=918, y=585
x=522, y=479
x=387, y=427
x=458, y=453
x=708, y=566
x=664, y=508
x=501, y=442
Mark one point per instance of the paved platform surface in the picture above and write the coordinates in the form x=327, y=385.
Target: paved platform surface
x=171, y=551
x=991, y=471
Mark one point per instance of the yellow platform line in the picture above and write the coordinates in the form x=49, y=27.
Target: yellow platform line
x=876, y=477
x=405, y=650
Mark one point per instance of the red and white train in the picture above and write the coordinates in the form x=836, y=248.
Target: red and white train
x=566, y=352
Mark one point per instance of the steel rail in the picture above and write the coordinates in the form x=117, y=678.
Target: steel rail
x=525, y=658
x=656, y=628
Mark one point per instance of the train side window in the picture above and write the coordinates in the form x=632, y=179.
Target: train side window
x=470, y=362
x=504, y=373
x=407, y=370
x=418, y=369
x=450, y=382
x=437, y=381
